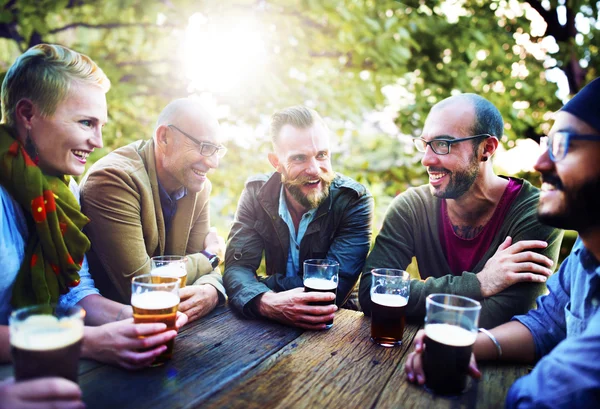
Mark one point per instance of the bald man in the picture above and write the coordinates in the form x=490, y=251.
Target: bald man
x=151, y=198
x=473, y=233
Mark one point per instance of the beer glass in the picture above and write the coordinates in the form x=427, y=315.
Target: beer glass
x=170, y=266
x=45, y=340
x=450, y=331
x=390, y=289
x=156, y=299
x=321, y=275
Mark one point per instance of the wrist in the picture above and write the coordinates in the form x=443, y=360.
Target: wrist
x=261, y=303
x=491, y=338
x=213, y=259
x=87, y=346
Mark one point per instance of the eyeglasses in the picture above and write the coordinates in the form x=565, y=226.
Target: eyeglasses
x=558, y=143
x=206, y=148
x=442, y=146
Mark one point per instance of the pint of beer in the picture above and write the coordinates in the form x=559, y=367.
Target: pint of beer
x=156, y=299
x=450, y=331
x=321, y=275
x=170, y=266
x=46, y=340
x=390, y=289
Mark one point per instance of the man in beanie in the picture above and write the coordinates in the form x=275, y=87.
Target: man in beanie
x=564, y=332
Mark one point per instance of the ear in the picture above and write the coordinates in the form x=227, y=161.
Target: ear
x=274, y=159
x=24, y=113
x=162, y=137
x=489, y=147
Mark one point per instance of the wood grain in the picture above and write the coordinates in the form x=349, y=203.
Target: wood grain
x=336, y=368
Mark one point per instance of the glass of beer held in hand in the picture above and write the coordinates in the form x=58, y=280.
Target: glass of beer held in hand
x=156, y=299
x=451, y=327
x=170, y=266
x=45, y=340
x=389, y=295
x=321, y=275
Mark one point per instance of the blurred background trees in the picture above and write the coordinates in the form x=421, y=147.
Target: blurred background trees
x=373, y=68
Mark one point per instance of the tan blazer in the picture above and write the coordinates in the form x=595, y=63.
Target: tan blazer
x=120, y=195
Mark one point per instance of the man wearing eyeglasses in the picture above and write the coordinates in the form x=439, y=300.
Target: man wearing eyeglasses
x=151, y=198
x=472, y=232
x=563, y=334
x=304, y=210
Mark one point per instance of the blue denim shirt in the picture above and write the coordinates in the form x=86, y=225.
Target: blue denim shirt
x=566, y=331
x=292, y=268
x=13, y=239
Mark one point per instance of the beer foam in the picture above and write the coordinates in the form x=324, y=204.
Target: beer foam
x=45, y=332
x=389, y=300
x=154, y=300
x=169, y=271
x=450, y=335
x=320, y=284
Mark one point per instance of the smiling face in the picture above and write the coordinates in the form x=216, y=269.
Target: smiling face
x=181, y=163
x=302, y=157
x=65, y=139
x=451, y=175
x=569, y=197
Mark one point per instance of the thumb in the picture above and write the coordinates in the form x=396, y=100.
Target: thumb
x=505, y=244
x=473, y=370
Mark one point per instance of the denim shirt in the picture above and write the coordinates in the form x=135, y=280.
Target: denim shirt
x=566, y=333
x=292, y=267
x=13, y=239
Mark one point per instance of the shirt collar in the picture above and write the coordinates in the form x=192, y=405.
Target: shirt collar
x=175, y=196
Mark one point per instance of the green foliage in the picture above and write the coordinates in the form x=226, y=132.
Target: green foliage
x=347, y=58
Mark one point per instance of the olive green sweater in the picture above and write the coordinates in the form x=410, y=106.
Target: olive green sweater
x=410, y=229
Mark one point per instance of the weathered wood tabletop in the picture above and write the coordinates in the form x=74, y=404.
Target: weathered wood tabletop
x=224, y=361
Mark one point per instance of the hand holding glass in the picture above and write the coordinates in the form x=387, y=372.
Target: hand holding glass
x=155, y=299
x=321, y=275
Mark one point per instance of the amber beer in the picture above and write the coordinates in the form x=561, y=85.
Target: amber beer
x=321, y=285
x=46, y=345
x=154, y=307
x=446, y=357
x=170, y=266
x=387, y=319
x=171, y=271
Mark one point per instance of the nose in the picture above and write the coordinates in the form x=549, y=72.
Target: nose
x=544, y=163
x=96, y=139
x=312, y=167
x=212, y=161
x=430, y=158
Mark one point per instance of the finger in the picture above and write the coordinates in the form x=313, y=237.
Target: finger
x=505, y=244
x=55, y=404
x=312, y=327
x=182, y=319
x=530, y=256
x=313, y=296
x=139, y=330
x=134, y=361
x=532, y=268
x=473, y=370
x=408, y=367
x=188, y=304
x=527, y=278
x=318, y=310
x=47, y=389
x=419, y=340
x=417, y=366
x=186, y=292
x=528, y=245
x=155, y=340
x=316, y=319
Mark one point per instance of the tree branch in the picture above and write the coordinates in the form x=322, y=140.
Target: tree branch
x=108, y=26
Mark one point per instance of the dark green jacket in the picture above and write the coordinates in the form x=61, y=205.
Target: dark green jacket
x=411, y=229
x=340, y=230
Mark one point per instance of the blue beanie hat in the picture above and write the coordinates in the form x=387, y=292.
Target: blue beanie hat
x=586, y=104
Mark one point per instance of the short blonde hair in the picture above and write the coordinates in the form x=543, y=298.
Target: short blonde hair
x=297, y=116
x=44, y=74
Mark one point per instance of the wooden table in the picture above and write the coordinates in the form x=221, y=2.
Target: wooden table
x=224, y=361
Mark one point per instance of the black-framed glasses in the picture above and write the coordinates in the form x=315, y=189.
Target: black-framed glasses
x=442, y=146
x=206, y=148
x=558, y=143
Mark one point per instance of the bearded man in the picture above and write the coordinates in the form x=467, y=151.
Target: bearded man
x=472, y=232
x=302, y=211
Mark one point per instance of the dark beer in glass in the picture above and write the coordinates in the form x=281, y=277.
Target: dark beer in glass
x=390, y=289
x=321, y=275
